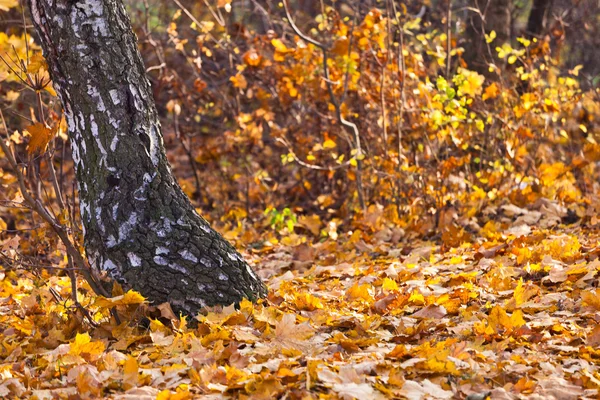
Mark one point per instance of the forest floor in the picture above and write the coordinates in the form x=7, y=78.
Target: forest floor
x=511, y=313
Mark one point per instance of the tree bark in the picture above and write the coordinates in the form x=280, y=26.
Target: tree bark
x=537, y=17
x=486, y=16
x=140, y=229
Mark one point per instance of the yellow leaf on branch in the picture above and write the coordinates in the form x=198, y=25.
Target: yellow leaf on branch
x=491, y=92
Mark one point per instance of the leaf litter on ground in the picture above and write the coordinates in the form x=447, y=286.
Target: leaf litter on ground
x=514, y=313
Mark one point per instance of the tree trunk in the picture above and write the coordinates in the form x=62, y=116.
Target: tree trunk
x=484, y=17
x=537, y=17
x=140, y=229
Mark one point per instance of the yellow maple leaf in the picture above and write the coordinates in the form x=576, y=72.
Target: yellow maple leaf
x=498, y=318
x=311, y=222
x=522, y=293
x=416, y=298
x=307, y=302
x=84, y=347
x=471, y=85
x=131, y=297
x=436, y=357
x=218, y=334
x=516, y=319
x=36, y=63
x=389, y=285
x=164, y=395
x=40, y=137
x=360, y=292
x=167, y=395
x=130, y=372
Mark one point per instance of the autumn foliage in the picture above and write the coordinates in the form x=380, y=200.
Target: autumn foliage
x=425, y=230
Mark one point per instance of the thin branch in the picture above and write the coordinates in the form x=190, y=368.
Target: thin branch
x=448, y=39
x=402, y=70
x=39, y=208
x=311, y=166
x=336, y=104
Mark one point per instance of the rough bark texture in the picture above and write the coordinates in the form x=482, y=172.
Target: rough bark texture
x=140, y=228
x=493, y=15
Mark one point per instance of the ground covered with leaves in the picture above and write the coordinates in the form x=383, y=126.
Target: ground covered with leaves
x=427, y=228
x=511, y=314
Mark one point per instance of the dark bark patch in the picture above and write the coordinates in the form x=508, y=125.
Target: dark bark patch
x=112, y=181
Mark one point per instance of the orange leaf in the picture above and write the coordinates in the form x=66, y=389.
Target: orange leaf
x=491, y=92
x=591, y=299
x=40, y=137
x=130, y=372
x=131, y=297
x=357, y=292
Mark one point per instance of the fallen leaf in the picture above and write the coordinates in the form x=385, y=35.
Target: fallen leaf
x=431, y=311
x=413, y=390
x=288, y=334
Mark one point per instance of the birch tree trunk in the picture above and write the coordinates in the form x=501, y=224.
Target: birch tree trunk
x=140, y=229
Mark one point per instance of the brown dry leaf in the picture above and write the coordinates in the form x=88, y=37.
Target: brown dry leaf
x=351, y=390
x=139, y=393
x=304, y=252
x=593, y=338
x=312, y=223
x=558, y=389
x=431, y=311
x=558, y=272
x=290, y=335
x=87, y=378
x=165, y=311
x=413, y=390
x=10, y=244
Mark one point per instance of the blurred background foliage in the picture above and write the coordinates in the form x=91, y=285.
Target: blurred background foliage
x=403, y=119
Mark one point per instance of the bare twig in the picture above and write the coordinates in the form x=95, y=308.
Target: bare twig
x=186, y=147
x=449, y=39
x=39, y=208
x=402, y=70
x=311, y=166
x=336, y=104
